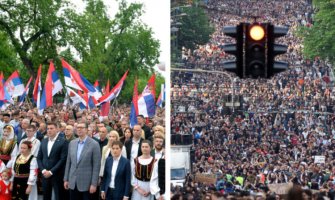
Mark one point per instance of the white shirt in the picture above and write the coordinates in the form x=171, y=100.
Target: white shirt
x=158, y=154
x=51, y=143
x=113, y=174
x=134, y=149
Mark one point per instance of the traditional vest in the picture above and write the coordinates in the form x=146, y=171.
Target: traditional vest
x=6, y=150
x=143, y=172
x=22, y=169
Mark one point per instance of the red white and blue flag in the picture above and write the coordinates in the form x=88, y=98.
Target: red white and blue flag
x=75, y=97
x=161, y=97
x=96, y=85
x=110, y=95
x=5, y=98
x=77, y=81
x=14, y=85
x=37, y=88
x=134, y=106
x=52, y=86
x=146, y=101
x=25, y=93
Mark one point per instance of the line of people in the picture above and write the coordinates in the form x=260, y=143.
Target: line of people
x=67, y=160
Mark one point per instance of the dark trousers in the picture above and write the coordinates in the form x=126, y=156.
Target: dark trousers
x=51, y=183
x=77, y=195
x=112, y=196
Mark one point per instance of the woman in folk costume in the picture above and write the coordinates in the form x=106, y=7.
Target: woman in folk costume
x=141, y=173
x=8, y=146
x=5, y=185
x=25, y=174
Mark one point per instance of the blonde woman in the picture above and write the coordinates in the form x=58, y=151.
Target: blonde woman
x=106, y=150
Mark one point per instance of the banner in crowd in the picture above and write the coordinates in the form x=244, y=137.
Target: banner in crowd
x=280, y=188
x=205, y=178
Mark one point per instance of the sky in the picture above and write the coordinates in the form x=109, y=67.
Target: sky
x=156, y=15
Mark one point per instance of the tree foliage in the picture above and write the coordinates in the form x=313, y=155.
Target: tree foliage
x=319, y=38
x=195, y=27
x=101, y=47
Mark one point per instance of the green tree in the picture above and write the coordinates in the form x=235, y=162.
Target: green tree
x=35, y=29
x=319, y=38
x=109, y=47
x=193, y=26
x=8, y=59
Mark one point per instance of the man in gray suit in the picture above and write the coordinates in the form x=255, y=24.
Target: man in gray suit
x=82, y=165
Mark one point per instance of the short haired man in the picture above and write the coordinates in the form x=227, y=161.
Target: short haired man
x=82, y=165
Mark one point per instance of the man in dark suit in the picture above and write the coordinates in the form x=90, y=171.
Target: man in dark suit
x=147, y=131
x=82, y=165
x=117, y=175
x=51, y=161
x=133, y=146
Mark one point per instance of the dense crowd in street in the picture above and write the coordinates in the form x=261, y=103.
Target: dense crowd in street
x=279, y=128
x=68, y=153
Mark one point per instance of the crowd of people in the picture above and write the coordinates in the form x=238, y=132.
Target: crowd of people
x=278, y=128
x=68, y=153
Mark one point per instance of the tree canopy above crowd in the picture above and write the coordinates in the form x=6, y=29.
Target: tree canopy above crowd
x=319, y=38
x=99, y=44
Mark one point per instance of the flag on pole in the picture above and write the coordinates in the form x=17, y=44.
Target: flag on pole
x=14, y=85
x=52, y=86
x=25, y=93
x=146, y=101
x=161, y=97
x=134, y=106
x=5, y=98
x=96, y=85
x=115, y=91
x=37, y=88
x=75, y=97
x=77, y=81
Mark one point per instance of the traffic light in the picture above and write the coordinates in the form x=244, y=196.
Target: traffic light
x=235, y=49
x=276, y=49
x=255, y=50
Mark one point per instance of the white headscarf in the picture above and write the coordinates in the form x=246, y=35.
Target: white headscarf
x=11, y=132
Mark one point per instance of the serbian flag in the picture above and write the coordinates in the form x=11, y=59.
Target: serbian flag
x=37, y=88
x=14, y=85
x=75, y=97
x=52, y=86
x=96, y=85
x=146, y=101
x=25, y=93
x=104, y=110
x=134, y=106
x=77, y=81
x=4, y=95
x=161, y=97
x=115, y=91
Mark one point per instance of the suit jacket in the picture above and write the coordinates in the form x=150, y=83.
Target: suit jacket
x=129, y=144
x=122, y=178
x=55, y=162
x=85, y=172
